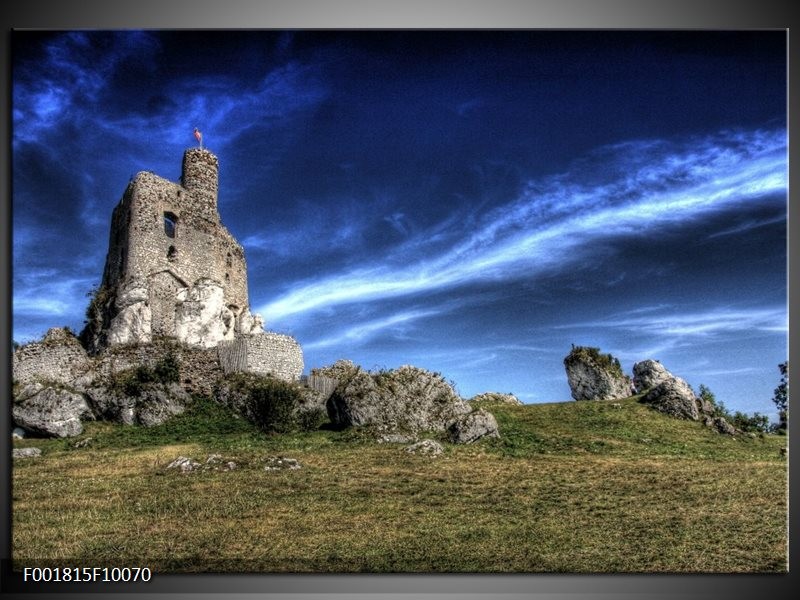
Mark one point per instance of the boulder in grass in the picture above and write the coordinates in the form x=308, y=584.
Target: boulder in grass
x=473, y=426
x=674, y=397
x=50, y=411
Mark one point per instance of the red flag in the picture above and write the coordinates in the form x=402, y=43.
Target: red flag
x=198, y=136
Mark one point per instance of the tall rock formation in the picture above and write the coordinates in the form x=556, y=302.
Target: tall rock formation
x=595, y=376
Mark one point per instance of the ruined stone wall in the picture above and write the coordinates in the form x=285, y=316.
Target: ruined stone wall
x=267, y=353
x=199, y=367
x=58, y=357
x=197, y=248
x=165, y=238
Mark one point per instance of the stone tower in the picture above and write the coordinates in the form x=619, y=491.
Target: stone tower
x=172, y=269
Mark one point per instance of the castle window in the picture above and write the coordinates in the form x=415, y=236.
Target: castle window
x=170, y=222
x=228, y=260
x=172, y=253
x=227, y=278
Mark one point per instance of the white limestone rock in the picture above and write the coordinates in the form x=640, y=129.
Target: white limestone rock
x=648, y=374
x=203, y=318
x=50, y=411
x=133, y=321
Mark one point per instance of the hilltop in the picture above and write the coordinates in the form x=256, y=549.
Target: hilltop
x=568, y=487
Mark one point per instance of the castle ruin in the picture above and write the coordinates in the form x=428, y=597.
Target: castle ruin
x=174, y=272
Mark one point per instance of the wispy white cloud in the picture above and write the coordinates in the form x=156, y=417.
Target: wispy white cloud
x=397, y=324
x=632, y=190
x=704, y=323
x=748, y=225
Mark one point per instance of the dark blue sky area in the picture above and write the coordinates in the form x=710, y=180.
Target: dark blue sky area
x=471, y=202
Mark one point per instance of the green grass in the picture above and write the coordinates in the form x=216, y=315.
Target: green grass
x=571, y=487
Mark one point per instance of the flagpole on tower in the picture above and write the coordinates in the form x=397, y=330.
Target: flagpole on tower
x=199, y=137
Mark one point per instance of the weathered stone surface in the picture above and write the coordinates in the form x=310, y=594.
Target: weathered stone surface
x=172, y=267
x=264, y=354
x=647, y=374
x=133, y=320
x=155, y=404
x=407, y=399
x=473, y=426
x=425, y=447
x=202, y=317
x=26, y=452
x=394, y=438
x=595, y=376
x=50, y=411
x=674, y=397
x=58, y=357
x=496, y=397
x=184, y=464
x=722, y=426
x=280, y=463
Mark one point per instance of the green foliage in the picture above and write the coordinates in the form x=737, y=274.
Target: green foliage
x=131, y=381
x=706, y=395
x=606, y=361
x=755, y=423
x=781, y=397
x=167, y=370
x=272, y=404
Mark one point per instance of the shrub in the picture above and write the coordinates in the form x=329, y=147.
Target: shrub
x=131, y=381
x=606, y=361
x=780, y=397
x=757, y=423
x=273, y=404
x=270, y=403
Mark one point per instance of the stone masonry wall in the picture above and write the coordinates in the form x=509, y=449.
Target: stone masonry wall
x=266, y=353
x=198, y=248
x=165, y=238
x=58, y=357
x=199, y=367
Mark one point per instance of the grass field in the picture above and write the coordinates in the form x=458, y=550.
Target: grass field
x=570, y=487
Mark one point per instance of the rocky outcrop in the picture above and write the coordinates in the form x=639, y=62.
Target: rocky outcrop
x=50, y=411
x=152, y=404
x=675, y=398
x=595, y=376
x=472, y=427
x=133, y=319
x=648, y=374
x=406, y=399
x=496, y=397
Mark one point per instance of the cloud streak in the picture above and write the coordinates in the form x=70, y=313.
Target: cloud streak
x=624, y=190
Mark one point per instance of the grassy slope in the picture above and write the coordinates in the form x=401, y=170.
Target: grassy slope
x=571, y=487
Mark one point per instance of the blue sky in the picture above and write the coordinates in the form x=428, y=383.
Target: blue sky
x=468, y=202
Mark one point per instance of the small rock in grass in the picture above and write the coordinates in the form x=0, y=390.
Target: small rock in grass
x=26, y=452
x=427, y=447
x=277, y=463
x=186, y=465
